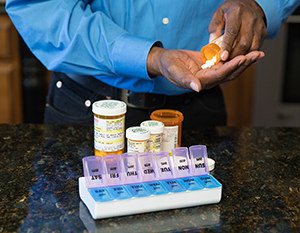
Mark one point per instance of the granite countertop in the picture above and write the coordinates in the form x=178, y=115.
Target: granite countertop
x=259, y=169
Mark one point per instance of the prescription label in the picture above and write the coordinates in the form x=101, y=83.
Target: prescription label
x=134, y=146
x=218, y=41
x=170, y=138
x=155, y=142
x=109, y=134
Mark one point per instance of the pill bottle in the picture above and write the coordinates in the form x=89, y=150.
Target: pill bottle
x=156, y=130
x=210, y=53
x=109, y=125
x=137, y=139
x=172, y=120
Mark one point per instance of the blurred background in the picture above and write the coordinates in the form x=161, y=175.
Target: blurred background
x=267, y=94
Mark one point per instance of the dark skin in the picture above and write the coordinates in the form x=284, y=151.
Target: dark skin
x=242, y=21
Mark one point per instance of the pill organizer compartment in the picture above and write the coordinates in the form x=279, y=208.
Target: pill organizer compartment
x=135, y=183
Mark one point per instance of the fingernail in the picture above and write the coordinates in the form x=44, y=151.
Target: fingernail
x=260, y=56
x=253, y=59
x=242, y=61
x=194, y=86
x=224, y=55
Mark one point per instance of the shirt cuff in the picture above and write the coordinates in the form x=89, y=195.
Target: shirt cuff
x=273, y=17
x=130, y=54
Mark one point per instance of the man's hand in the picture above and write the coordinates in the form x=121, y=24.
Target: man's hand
x=183, y=68
x=242, y=21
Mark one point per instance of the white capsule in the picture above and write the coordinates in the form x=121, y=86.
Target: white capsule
x=214, y=59
x=210, y=63
x=204, y=66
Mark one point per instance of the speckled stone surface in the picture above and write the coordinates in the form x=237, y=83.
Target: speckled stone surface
x=259, y=169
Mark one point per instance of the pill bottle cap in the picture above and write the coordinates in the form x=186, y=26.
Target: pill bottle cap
x=137, y=133
x=155, y=127
x=167, y=116
x=109, y=107
x=211, y=164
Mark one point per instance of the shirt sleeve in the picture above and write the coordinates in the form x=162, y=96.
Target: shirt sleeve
x=276, y=12
x=68, y=36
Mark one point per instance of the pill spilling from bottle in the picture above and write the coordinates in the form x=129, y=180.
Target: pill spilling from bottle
x=209, y=63
x=210, y=53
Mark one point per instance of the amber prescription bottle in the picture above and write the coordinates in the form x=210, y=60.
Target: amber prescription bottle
x=210, y=53
x=172, y=120
x=137, y=139
x=156, y=130
x=109, y=124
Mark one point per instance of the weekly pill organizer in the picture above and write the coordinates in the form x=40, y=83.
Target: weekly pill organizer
x=132, y=183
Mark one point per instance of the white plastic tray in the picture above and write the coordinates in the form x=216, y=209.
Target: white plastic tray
x=136, y=205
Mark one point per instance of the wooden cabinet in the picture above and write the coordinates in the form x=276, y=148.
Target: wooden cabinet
x=10, y=73
x=238, y=96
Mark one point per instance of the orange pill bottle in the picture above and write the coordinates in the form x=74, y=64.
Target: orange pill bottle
x=211, y=51
x=109, y=125
x=172, y=120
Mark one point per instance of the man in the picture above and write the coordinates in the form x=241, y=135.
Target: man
x=143, y=52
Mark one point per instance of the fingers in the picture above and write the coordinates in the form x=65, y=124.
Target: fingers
x=195, y=86
x=180, y=66
x=250, y=37
x=228, y=71
x=216, y=25
x=243, y=25
x=231, y=33
x=184, y=79
x=225, y=17
x=251, y=59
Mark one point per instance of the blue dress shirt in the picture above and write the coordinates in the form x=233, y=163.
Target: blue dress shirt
x=110, y=39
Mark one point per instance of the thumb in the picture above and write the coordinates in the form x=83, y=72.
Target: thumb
x=195, y=85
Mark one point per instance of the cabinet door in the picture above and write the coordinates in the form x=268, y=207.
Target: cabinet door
x=6, y=93
x=6, y=28
x=10, y=73
x=238, y=99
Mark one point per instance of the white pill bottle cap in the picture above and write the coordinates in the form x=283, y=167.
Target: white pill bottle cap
x=155, y=127
x=109, y=107
x=137, y=133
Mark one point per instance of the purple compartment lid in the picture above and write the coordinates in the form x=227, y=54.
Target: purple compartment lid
x=112, y=169
x=182, y=163
x=130, y=168
x=198, y=156
x=164, y=165
x=148, y=166
x=93, y=172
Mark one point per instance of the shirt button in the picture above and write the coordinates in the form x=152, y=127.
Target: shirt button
x=165, y=20
x=59, y=84
x=87, y=103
